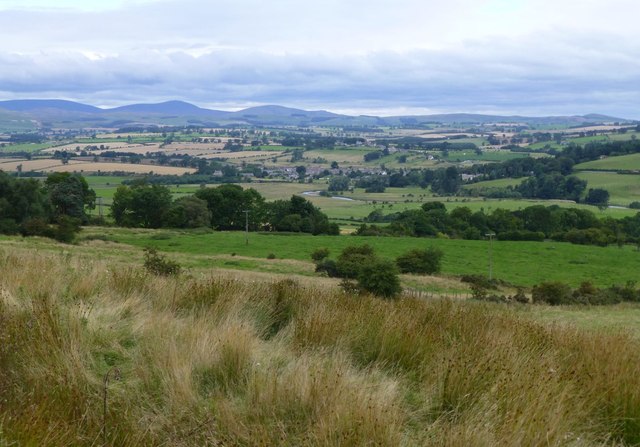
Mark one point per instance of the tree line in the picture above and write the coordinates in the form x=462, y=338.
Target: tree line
x=227, y=207
x=533, y=223
x=54, y=208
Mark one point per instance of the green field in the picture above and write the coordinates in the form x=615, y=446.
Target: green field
x=520, y=263
x=486, y=155
x=623, y=188
x=26, y=147
x=489, y=184
x=621, y=163
x=608, y=137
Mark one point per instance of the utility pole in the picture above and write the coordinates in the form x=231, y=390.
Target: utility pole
x=490, y=236
x=246, y=226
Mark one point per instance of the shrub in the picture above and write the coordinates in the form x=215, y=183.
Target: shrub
x=553, y=292
x=481, y=281
x=36, y=227
x=159, y=264
x=634, y=205
x=352, y=259
x=327, y=266
x=66, y=229
x=380, y=277
x=520, y=297
x=350, y=287
x=271, y=256
x=9, y=226
x=426, y=261
x=320, y=254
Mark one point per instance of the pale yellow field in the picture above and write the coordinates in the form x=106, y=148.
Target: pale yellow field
x=243, y=154
x=445, y=135
x=10, y=160
x=51, y=165
x=36, y=165
x=120, y=146
x=197, y=146
x=124, y=167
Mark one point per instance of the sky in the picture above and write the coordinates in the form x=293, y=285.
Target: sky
x=382, y=57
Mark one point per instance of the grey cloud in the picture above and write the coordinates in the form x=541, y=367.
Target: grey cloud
x=551, y=72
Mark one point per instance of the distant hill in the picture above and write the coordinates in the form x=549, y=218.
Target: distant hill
x=179, y=108
x=31, y=105
x=74, y=115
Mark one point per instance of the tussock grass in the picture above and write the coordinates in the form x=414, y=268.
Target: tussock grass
x=212, y=360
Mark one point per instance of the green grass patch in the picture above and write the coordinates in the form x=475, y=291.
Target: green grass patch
x=26, y=147
x=620, y=163
x=521, y=263
x=623, y=188
x=489, y=184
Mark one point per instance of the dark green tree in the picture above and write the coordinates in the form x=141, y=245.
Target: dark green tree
x=188, y=212
x=227, y=204
x=598, y=197
x=70, y=195
x=141, y=205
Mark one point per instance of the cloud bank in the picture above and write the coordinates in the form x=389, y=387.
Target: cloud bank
x=370, y=57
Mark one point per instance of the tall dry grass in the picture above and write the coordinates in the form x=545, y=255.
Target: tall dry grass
x=206, y=360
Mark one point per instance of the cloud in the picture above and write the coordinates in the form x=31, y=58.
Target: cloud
x=376, y=55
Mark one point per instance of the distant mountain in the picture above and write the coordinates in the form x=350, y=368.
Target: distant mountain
x=179, y=108
x=31, y=105
x=74, y=115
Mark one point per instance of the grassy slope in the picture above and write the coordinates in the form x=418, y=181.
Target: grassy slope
x=623, y=162
x=623, y=188
x=207, y=360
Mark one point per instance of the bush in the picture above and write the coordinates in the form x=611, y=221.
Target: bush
x=9, y=226
x=320, y=254
x=159, y=264
x=380, y=277
x=554, y=293
x=36, y=227
x=352, y=259
x=66, y=229
x=634, y=205
x=271, y=256
x=350, y=287
x=425, y=261
x=481, y=281
x=327, y=266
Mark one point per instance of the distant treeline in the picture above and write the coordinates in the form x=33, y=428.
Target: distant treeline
x=534, y=223
x=226, y=207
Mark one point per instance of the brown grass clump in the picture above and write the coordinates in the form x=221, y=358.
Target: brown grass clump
x=211, y=360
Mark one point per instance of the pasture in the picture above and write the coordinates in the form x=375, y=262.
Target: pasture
x=619, y=163
x=519, y=263
x=623, y=188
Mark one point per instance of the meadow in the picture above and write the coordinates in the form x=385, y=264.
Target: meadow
x=619, y=163
x=99, y=352
x=519, y=263
x=623, y=188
